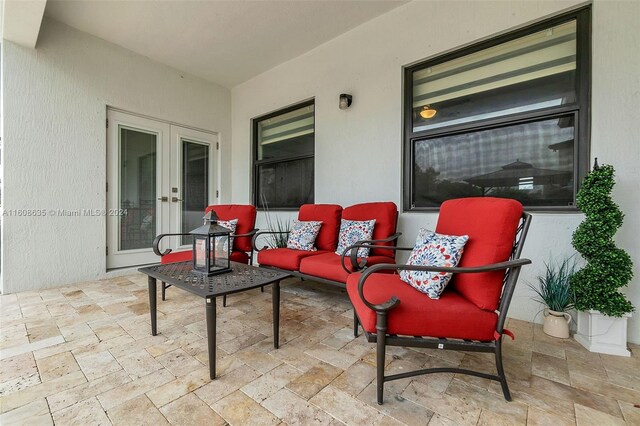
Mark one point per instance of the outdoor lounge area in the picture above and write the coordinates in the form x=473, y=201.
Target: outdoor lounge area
x=308, y=212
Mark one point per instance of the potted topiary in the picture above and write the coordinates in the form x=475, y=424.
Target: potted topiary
x=554, y=292
x=602, y=309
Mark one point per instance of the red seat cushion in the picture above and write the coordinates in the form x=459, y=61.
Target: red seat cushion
x=451, y=316
x=284, y=258
x=491, y=224
x=386, y=216
x=183, y=256
x=176, y=256
x=246, y=216
x=329, y=214
x=329, y=266
x=239, y=256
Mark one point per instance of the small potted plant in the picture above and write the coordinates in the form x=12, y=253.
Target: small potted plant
x=554, y=291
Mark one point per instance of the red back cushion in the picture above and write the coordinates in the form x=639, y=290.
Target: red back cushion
x=329, y=214
x=386, y=216
x=491, y=224
x=246, y=216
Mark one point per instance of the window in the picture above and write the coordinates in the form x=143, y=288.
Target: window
x=283, y=166
x=508, y=117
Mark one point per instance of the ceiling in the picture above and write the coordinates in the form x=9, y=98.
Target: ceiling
x=226, y=42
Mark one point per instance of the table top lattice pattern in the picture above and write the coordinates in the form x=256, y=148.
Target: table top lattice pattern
x=242, y=277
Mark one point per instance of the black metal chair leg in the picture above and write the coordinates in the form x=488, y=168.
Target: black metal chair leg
x=355, y=323
x=224, y=301
x=262, y=289
x=499, y=367
x=164, y=290
x=381, y=327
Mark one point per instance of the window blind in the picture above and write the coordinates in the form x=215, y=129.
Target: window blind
x=538, y=55
x=286, y=126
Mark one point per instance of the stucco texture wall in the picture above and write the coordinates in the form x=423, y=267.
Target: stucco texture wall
x=359, y=151
x=54, y=145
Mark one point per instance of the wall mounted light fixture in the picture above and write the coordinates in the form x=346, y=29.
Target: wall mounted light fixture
x=345, y=101
x=428, y=112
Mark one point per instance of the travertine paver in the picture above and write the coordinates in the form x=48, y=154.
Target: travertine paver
x=191, y=410
x=294, y=410
x=239, y=409
x=137, y=411
x=84, y=412
x=83, y=354
x=314, y=379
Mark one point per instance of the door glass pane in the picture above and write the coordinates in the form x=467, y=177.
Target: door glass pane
x=137, y=188
x=195, y=185
x=531, y=162
x=526, y=74
x=287, y=184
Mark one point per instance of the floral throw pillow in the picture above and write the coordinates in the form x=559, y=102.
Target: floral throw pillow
x=303, y=235
x=433, y=249
x=352, y=231
x=230, y=225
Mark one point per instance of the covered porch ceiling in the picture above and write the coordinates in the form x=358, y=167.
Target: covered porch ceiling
x=225, y=42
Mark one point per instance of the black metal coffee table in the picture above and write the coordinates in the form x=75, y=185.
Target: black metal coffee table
x=242, y=278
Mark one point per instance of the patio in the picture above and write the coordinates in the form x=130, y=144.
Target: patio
x=83, y=354
x=124, y=120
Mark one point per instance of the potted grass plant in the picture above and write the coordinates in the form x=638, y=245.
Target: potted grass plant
x=279, y=239
x=280, y=226
x=555, y=293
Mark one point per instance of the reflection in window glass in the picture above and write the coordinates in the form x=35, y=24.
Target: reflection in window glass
x=195, y=185
x=529, y=73
x=531, y=162
x=287, y=184
x=137, y=189
x=286, y=135
x=284, y=148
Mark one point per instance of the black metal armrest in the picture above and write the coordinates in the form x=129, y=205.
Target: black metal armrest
x=257, y=234
x=357, y=266
x=366, y=244
x=248, y=234
x=393, y=301
x=156, y=243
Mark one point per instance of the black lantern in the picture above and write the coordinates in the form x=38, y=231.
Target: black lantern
x=211, y=247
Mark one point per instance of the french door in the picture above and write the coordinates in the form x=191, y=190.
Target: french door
x=160, y=178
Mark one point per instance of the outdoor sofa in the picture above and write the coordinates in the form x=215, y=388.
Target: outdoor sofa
x=324, y=264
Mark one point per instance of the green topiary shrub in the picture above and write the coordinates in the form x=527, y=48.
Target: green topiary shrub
x=608, y=268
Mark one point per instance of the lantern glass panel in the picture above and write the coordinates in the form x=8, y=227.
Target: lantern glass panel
x=200, y=255
x=220, y=252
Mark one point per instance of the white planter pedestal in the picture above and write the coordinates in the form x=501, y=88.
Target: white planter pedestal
x=602, y=334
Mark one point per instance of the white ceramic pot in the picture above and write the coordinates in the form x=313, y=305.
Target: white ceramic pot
x=602, y=333
x=556, y=324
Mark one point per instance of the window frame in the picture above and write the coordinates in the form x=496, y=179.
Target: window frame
x=581, y=109
x=255, y=163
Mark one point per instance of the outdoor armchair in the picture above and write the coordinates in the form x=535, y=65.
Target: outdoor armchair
x=471, y=312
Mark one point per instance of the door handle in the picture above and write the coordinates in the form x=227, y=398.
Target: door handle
x=163, y=199
x=176, y=199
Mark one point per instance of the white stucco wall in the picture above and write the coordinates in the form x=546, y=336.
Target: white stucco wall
x=358, y=151
x=54, y=144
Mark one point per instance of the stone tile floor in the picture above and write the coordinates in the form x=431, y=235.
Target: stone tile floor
x=84, y=355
